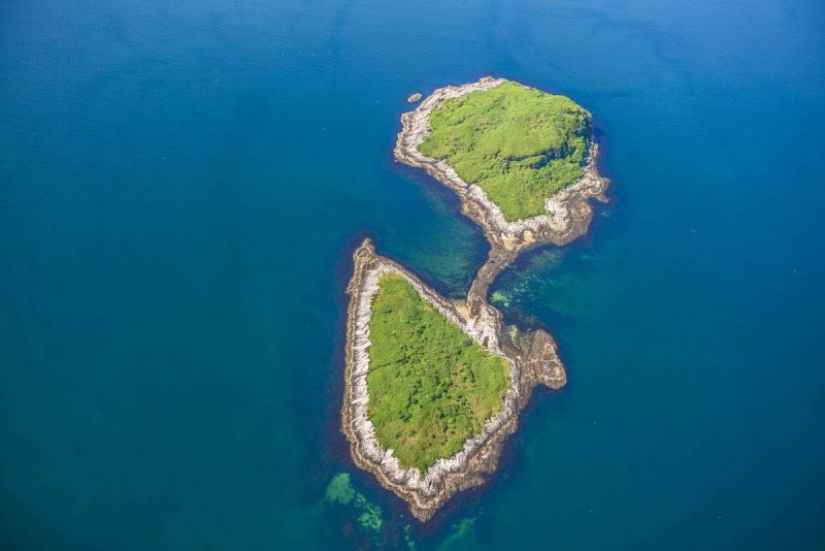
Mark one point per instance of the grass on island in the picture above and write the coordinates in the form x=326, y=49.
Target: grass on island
x=520, y=145
x=431, y=386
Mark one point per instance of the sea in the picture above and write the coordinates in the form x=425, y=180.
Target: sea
x=182, y=184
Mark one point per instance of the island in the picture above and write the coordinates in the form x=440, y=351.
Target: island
x=433, y=387
x=522, y=161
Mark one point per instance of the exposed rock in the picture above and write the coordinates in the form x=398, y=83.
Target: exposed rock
x=414, y=98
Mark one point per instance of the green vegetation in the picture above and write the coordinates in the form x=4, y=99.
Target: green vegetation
x=520, y=145
x=431, y=386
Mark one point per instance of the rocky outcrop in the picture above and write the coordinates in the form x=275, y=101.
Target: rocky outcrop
x=532, y=357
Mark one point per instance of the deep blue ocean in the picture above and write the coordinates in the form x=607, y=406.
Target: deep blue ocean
x=182, y=184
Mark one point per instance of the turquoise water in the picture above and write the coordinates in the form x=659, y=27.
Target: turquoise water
x=183, y=183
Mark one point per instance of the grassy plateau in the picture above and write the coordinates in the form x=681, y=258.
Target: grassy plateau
x=520, y=145
x=431, y=387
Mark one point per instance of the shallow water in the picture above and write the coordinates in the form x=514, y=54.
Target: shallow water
x=182, y=184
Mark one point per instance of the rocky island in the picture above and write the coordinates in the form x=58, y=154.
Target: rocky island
x=433, y=387
x=522, y=161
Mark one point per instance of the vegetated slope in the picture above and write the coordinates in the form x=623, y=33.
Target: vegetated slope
x=519, y=144
x=431, y=386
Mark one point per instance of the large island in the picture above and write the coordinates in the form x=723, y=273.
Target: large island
x=433, y=387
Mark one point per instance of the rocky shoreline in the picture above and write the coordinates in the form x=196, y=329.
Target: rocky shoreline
x=568, y=212
x=532, y=355
x=533, y=360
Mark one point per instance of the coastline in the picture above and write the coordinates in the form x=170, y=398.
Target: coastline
x=569, y=213
x=533, y=360
x=532, y=355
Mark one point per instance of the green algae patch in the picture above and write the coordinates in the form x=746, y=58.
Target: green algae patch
x=500, y=297
x=341, y=491
x=371, y=517
x=431, y=386
x=519, y=144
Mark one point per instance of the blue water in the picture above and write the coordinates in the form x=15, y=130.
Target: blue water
x=181, y=185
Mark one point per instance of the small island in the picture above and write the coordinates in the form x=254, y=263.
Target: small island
x=522, y=161
x=433, y=387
